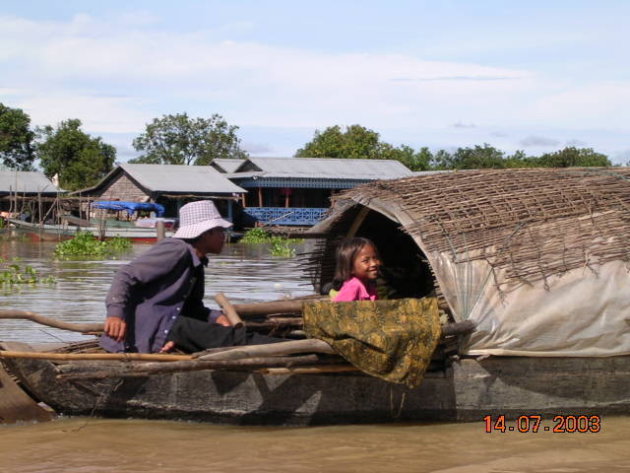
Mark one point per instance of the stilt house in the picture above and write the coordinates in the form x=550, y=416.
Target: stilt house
x=26, y=193
x=297, y=191
x=169, y=185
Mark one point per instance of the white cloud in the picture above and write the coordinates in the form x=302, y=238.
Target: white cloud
x=117, y=75
x=603, y=104
x=273, y=85
x=102, y=114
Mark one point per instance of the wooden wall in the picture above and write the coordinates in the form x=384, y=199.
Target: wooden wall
x=124, y=189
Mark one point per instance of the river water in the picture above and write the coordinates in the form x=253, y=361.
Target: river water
x=247, y=274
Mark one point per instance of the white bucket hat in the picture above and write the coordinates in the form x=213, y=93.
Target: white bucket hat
x=198, y=217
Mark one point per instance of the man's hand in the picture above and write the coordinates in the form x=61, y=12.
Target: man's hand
x=168, y=346
x=116, y=328
x=223, y=320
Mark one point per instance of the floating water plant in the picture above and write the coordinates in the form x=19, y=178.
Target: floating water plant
x=255, y=236
x=86, y=244
x=280, y=246
x=13, y=274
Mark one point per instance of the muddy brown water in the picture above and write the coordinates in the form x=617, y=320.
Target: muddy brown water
x=82, y=445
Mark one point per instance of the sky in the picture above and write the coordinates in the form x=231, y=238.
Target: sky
x=519, y=75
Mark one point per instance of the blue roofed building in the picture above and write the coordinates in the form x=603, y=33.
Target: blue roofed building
x=297, y=191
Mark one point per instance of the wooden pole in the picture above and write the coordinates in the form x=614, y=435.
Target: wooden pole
x=40, y=218
x=93, y=356
x=228, y=310
x=160, y=230
x=358, y=221
x=146, y=369
x=273, y=349
x=265, y=308
x=40, y=319
x=309, y=370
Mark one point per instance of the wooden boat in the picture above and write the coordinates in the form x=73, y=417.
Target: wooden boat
x=314, y=387
x=105, y=227
x=102, y=230
x=466, y=390
x=534, y=259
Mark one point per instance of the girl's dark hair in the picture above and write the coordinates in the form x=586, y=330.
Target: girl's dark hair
x=345, y=255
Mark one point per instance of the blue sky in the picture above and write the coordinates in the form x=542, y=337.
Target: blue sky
x=536, y=75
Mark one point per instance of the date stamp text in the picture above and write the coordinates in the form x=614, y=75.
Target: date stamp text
x=534, y=423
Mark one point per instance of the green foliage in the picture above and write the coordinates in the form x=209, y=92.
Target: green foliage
x=16, y=139
x=479, y=157
x=86, y=244
x=255, y=236
x=13, y=274
x=79, y=160
x=571, y=156
x=358, y=142
x=178, y=139
x=279, y=246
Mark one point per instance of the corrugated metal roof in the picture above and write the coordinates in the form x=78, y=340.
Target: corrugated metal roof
x=181, y=178
x=331, y=168
x=227, y=165
x=30, y=182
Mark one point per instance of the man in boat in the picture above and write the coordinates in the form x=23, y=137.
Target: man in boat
x=155, y=303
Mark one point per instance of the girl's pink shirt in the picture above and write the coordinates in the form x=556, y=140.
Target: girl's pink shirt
x=354, y=290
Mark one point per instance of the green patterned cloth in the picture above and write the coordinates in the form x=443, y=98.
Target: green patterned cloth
x=390, y=339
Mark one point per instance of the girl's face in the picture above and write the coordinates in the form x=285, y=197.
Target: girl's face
x=366, y=264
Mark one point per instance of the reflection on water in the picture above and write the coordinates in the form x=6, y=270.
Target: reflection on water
x=245, y=273
x=85, y=445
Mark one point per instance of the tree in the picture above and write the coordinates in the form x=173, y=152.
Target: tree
x=359, y=142
x=356, y=142
x=16, y=139
x=178, y=139
x=479, y=157
x=571, y=156
x=79, y=160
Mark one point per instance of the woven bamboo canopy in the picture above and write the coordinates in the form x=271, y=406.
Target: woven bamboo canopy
x=483, y=239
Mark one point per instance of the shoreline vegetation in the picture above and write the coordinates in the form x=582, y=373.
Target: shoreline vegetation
x=79, y=160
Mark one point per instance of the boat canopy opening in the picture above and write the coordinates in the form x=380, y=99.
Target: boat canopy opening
x=405, y=271
x=129, y=207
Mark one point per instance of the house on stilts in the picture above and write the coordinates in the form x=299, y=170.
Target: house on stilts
x=297, y=191
x=26, y=194
x=168, y=185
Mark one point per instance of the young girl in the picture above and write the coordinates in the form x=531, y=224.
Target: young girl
x=357, y=269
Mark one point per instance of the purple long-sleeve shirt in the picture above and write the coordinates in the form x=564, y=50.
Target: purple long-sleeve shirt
x=150, y=293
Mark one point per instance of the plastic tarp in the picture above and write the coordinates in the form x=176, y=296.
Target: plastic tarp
x=129, y=207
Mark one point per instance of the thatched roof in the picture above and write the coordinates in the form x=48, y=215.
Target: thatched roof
x=511, y=228
x=532, y=222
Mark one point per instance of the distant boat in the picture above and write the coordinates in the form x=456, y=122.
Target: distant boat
x=139, y=229
x=69, y=228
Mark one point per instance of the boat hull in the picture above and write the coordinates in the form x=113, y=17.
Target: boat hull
x=467, y=390
x=47, y=232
